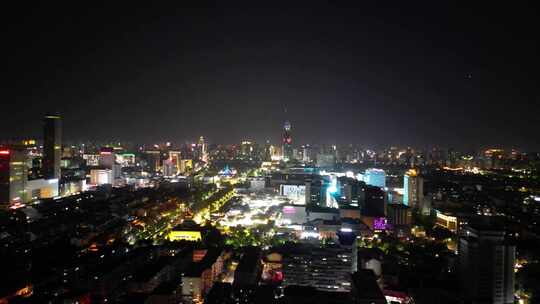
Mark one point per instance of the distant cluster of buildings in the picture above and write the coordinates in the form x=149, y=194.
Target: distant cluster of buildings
x=332, y=196
x=17, y=183
x=30, y=171
x=329, y=156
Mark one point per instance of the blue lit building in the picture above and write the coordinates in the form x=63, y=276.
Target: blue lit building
x=406, y=198
x=413, y=189
x=375, y=177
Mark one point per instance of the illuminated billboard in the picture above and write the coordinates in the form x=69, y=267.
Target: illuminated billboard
x=296, y=193
x=185, y=235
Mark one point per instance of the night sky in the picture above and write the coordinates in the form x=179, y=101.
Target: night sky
x=421, y=75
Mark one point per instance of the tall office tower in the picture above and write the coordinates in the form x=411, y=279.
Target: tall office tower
x=169, y=168
x=375, y=177
x=107, y=157
x=326, y=161
x=153, y=160
x=101, y=177
x=267, y=151
x=275, y=152
x=399, y=214
x=203, y=149
x=287, y=141
x=413, y=189
x=186, y=165
x=107, y=161
x=351, y=191
x=316, y=191
x=486, y=264
x=52, y=146
x=13, y=175
x=347, y=188
x=307, y=154
x=175, y=157
x=374, y=204
x=246, y=149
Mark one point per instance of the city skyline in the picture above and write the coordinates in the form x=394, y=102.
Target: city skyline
x=35, y=138
x=407, y=76
x=270, y=153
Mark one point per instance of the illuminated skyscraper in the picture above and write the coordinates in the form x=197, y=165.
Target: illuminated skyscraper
x=203, y=149
x=168, y=168
x=106, y=157
x=13, y=176
x=52, y=146
x=317, y=191
x=413, y=189
x=246, y=149
x=101, y=177
x=307, y=154
x=267, y=151
x=375, y=177
x=287, y=141
x=326, y=161
x=186, y=165
x=153, y=160
x=175, y=157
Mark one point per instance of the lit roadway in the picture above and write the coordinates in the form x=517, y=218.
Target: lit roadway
x=256, y=215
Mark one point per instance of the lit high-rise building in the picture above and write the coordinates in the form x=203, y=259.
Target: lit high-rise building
x=287, y=141
x=326, y=161
x=486, y=262
x=52, y=146
x=413, y=189
x=13, y=175
x=374, y=204
x=169, y=168
x=275, y=152
x=246, y=149
x=186, y=165
x=153, y=160
x=375, y=177
x=106, y=157
x=267, y=151
x=307, y=154
x=107, y=161
x=101, y=176
x=175, y=157
x=16, y=187
x=399, y=214
x=203, y=149
x=318, y=189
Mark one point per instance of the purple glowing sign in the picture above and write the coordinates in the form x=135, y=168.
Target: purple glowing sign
x=380, y=223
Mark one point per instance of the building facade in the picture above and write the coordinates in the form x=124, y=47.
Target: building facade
x=413, y=189
x=13, y=176
x=52, y=146
x=375, y=177
x=486, y=263
x=287, y=142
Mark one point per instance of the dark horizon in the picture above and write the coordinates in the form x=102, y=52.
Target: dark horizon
x=419, y=75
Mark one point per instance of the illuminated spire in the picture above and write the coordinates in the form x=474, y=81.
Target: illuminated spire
x=287, y=126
